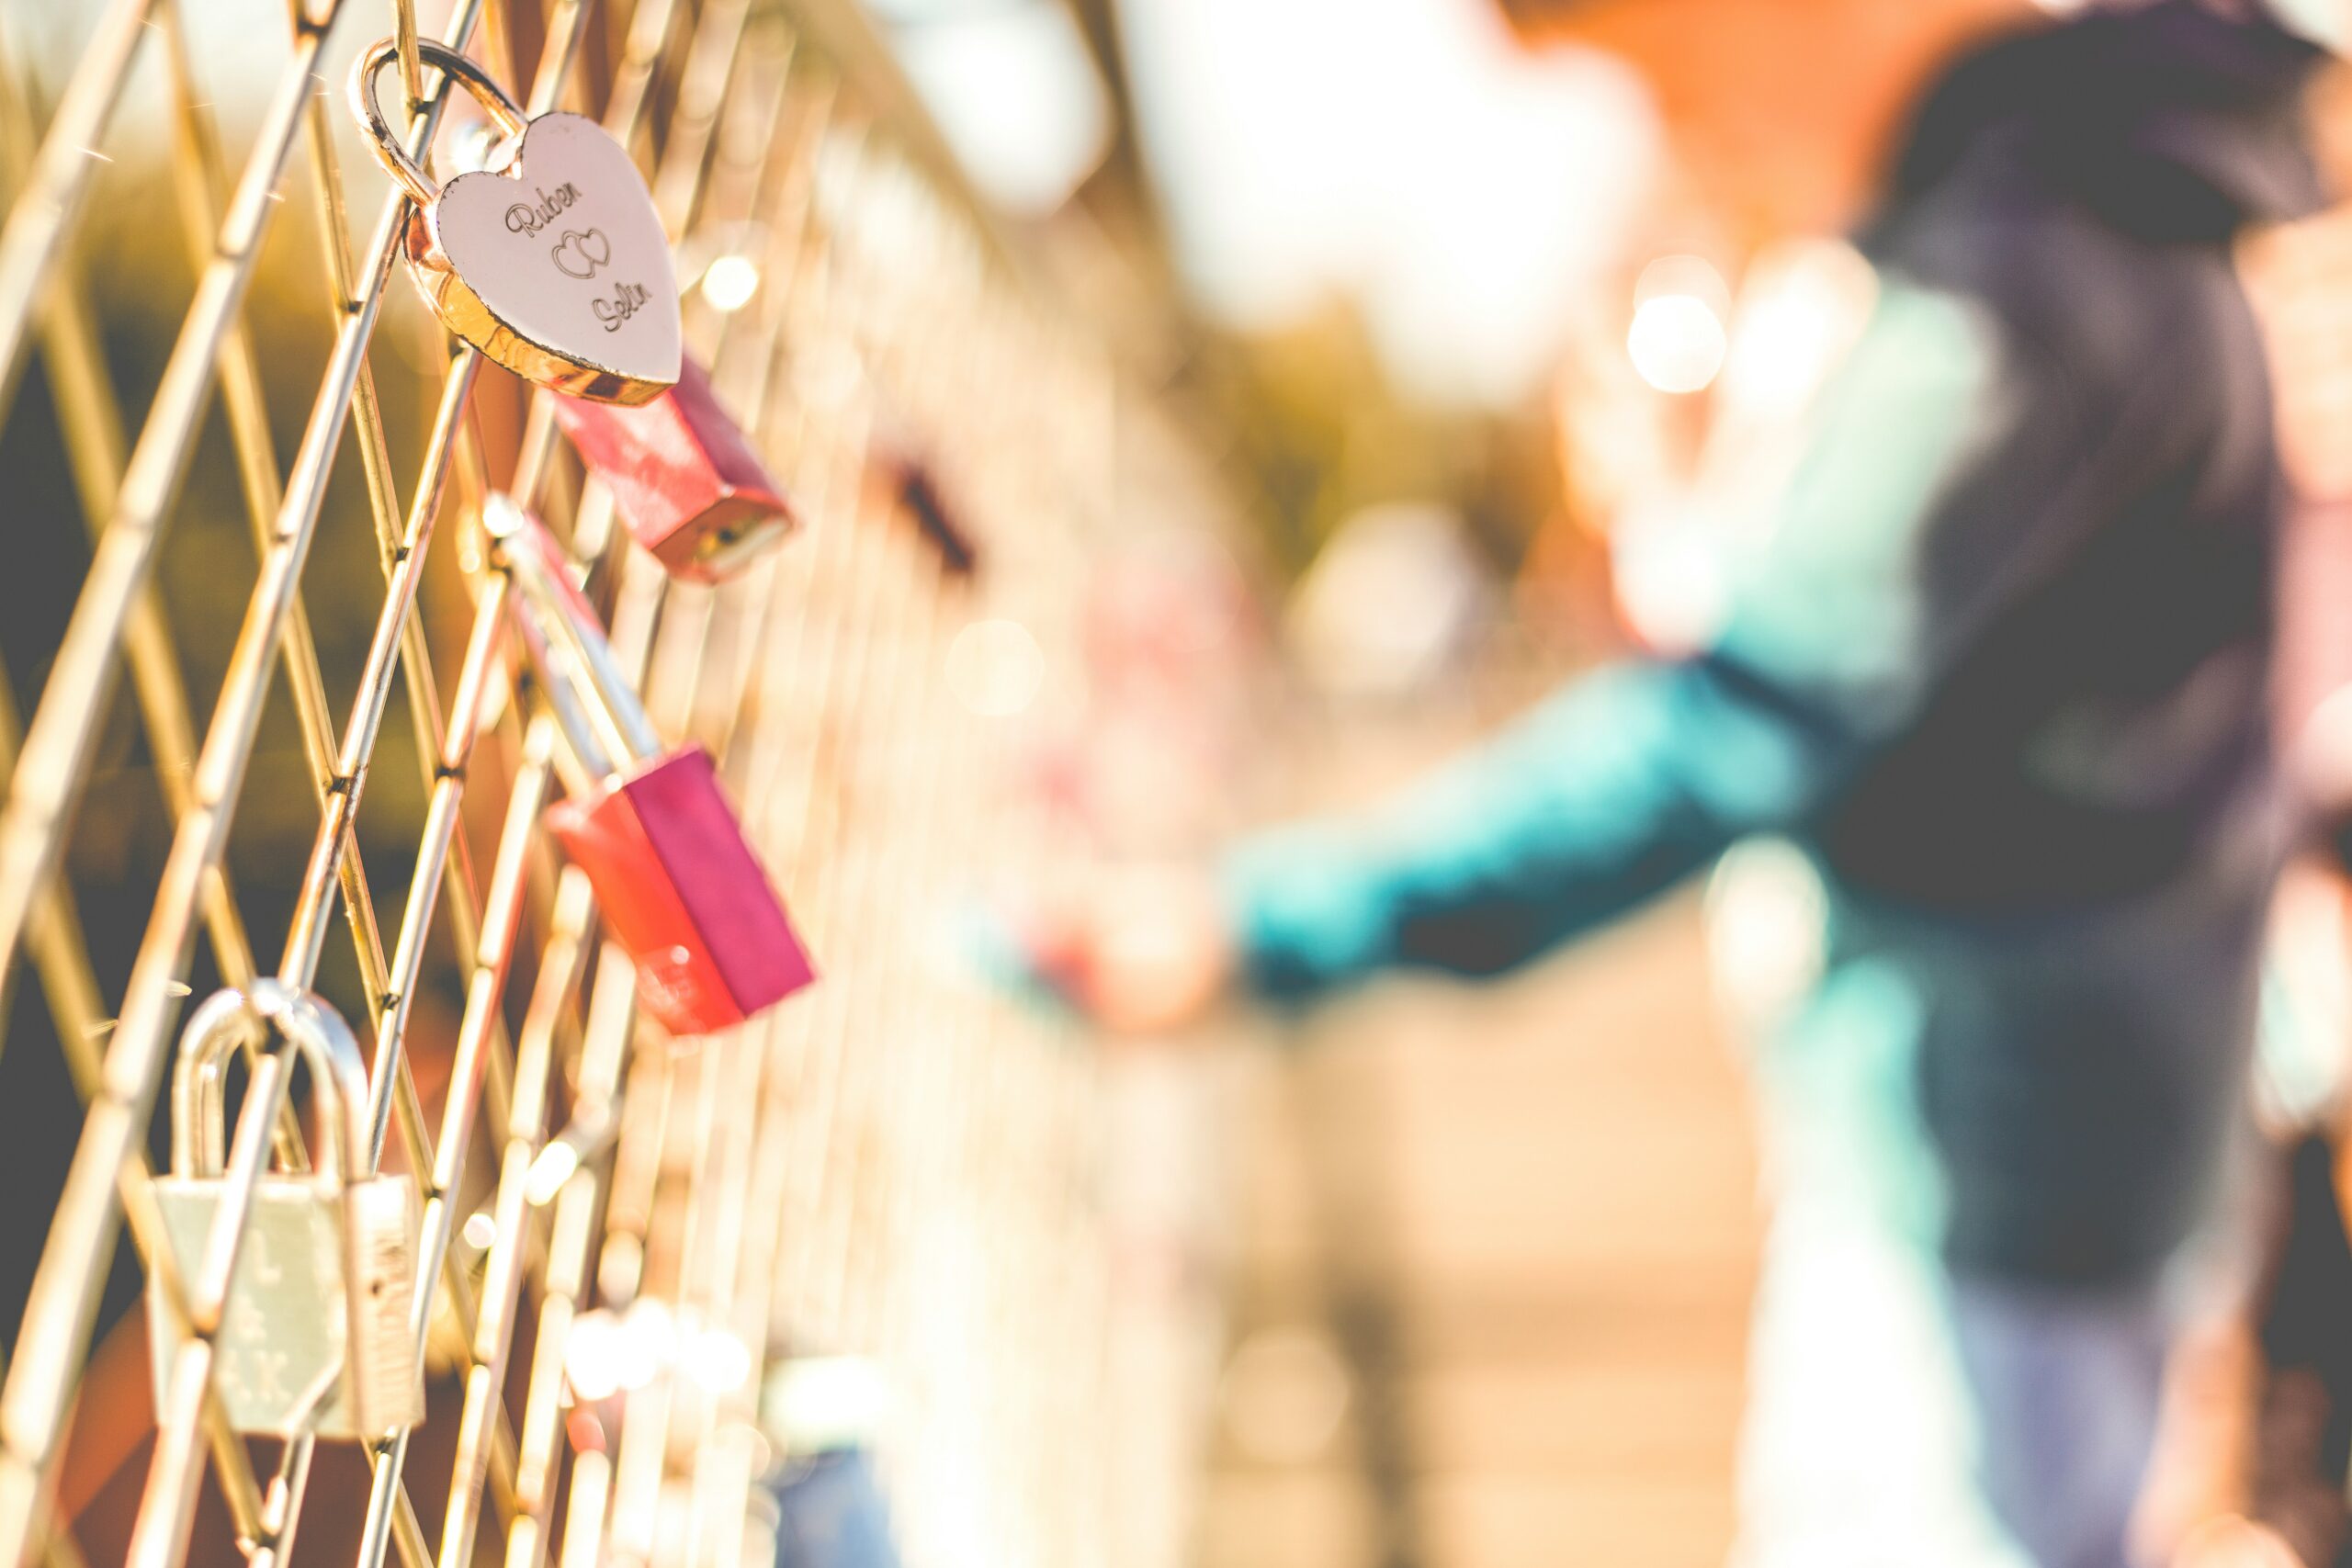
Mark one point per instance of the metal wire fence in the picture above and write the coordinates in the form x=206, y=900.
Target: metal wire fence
x=623, y=1238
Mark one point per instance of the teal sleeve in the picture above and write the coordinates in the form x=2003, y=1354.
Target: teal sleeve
x=1614, y=789
x=1638, y=774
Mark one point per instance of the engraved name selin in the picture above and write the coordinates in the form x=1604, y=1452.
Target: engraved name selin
x=524, y=219
x=625, y=299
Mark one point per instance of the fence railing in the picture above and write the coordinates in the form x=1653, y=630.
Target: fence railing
x=622, y=1239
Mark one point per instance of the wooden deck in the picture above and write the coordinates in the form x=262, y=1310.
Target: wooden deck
x=1519, y=1223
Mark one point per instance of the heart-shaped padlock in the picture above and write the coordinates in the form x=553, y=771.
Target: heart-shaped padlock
x=551, y=260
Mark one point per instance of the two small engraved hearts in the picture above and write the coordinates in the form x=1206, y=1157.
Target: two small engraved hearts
x=579, y=255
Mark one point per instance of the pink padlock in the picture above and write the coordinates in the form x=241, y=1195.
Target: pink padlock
x=683, y=477
x=678, y=884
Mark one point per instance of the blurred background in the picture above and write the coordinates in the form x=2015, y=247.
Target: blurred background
x=1443, y=308
x=1497, y=376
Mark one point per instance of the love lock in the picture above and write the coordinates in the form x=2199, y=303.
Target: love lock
x=551, y=259
x=677, y=881
x=315, y=1334
x=684, y=477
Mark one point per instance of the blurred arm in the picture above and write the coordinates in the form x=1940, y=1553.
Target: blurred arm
x=1640, y=773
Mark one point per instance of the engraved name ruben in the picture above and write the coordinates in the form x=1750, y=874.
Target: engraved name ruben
x=523, y=217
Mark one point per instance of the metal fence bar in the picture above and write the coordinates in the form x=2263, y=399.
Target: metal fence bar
x=45, y=211
x=57, y=1315
x=90, y=419
x=65, y=726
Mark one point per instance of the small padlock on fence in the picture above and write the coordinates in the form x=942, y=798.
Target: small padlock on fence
x=552, y=261
x=679, y=886
x=315, y=1334
x=683, y=477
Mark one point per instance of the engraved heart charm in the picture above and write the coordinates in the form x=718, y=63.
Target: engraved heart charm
x=554, y=264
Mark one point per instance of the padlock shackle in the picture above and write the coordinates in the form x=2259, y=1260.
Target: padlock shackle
x=593, y=697
x=562, y=684
x=387, y=143
x=314, y=1029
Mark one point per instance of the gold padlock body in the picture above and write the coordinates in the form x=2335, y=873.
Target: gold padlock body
x=283, y=1330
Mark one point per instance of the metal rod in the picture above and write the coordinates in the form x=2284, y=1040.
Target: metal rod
x=45, y=209
x=57, y=1316
x=73, y=703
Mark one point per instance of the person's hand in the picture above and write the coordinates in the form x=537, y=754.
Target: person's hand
x=2234, y=1542
x=1140, y=951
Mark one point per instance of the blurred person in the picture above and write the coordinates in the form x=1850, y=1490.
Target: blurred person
x=1996, y=662
x=2298, y=1403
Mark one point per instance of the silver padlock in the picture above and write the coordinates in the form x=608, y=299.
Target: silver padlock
x=314, y=1335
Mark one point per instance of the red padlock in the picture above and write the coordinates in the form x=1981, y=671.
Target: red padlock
x=680, y=889
x=683, y=477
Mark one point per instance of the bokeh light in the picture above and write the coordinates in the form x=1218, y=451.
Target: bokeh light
x=995, y=667
x=730, y=282
x=716, y=1360
x=592, y=1356
x=1285, y=1392
x=1679, y=338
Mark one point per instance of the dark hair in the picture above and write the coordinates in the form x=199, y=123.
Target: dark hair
x=1530, y=16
